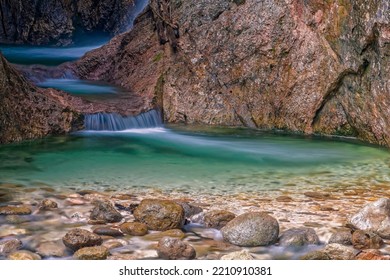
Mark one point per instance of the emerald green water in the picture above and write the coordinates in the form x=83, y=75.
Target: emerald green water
x=193, y=160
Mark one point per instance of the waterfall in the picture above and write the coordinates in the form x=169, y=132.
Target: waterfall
x=116, y=122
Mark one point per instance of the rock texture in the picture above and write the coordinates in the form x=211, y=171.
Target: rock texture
x=296, y=237
x=59, y=22
x=105, y=212
x=252, y=229
x=80, y=238
x=374, y=217
x=27, y=112
x=159, y=214
x=305, y=66
x=169, y=248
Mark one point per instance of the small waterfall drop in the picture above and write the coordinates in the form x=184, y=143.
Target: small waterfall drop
x=116, y=122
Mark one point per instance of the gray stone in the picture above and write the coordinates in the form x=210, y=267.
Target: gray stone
x=174, y=249
x=299, y=237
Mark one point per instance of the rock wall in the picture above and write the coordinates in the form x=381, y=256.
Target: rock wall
x=27, y=112
x=306, y=66
x=41, y=22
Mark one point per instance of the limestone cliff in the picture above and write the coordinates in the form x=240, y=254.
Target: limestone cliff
x=27, y=112
x=59, y=21
x=306, y=66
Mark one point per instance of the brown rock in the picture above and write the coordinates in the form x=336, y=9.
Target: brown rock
x=51, y=249
x=106, y=212
x=23, y=255
x=174, y=249
x=315, y=255
x=92, y=253
x=160, y=214
x=284, y=198
x=313, y=90
x=218, y=218
x=79, y=238
x=15, y=210
x=342, y=236
x=366, y=240
x=9, y=246
x=298, y=237
x=251, y=229
x=107, y=231
x=371, y=255
x=48, y=204
x=317, y=195
x=241, y=255
x=134, y=228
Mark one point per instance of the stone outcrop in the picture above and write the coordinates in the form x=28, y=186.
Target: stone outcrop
x=27, y=112
x=61, y=22
x=305, y=66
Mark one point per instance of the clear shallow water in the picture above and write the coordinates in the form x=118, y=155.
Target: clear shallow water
x=49, y=56
x=198, y=160
x=80, y=87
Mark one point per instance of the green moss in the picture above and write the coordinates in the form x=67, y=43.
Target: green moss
x=158, y=57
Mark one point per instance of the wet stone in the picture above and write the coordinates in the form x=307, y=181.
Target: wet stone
x=23, y=255
x=366, y=240
x=9, y=246
x=284, y=198
x=15, y=210
x=189, y=209
x=315, y=255
x=79, y=238
x=241, y=255
x=317, y=195
x=51, y=249
x=48, y=204
x=105, y=211
x=297, y=237
x=108, y=231
x=218, y=218
x=169, y=248
x=134, y=228
x=342, y=236
x=92, y=253
x=372, y=255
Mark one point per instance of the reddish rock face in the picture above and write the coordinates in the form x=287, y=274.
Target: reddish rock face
x=56, y=21
x=27, y=112
x=306, y=66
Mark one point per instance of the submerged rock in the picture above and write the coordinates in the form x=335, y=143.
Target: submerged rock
x=51, y=249
x=252, y=229
x=107, y=231
x=15, y=210
x=104, y=211
x=92, y=253
x=134, y=228
x=218, y=218
x=79, y=238
x=48, y=204
x=169, y=248
x=241, y=255
x=299, y=237
x=160, y=214
x=342, y=236
x=374, y=217
x=24, y=255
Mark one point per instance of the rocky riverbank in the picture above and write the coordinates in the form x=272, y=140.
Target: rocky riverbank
x=146, y=223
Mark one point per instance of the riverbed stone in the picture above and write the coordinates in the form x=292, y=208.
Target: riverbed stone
x=47, y=204
x=317, y=195
x=159, y=214
x=218, y=218
x=15, y=210
x=24, y=255
x=92, y=253
x=315, y=255
x=371, y=255
x=374, y=217
x=79, y=238
x=189, y=209
x=109, y=231
x=341, y=236
x=240, y=255
x=169, y=248
x=297, y=237
x=134, y=228
x=106, y=212
x=9, y=246
x=51, y=249
x=340, y=252
x=252, y=229
x=366, y=240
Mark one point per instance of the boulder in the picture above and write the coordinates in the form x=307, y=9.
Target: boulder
x=169, y=248
x=366, y=240
x=252, y=229
x=159, y=215
x=79, y=238
x=92, y=253
x=134, y=228
x=296, y=237
x=218, y=218
x=374, y=217
x=105, y=212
